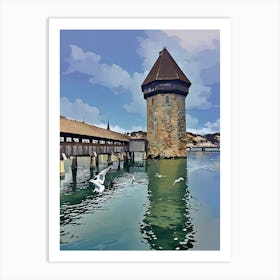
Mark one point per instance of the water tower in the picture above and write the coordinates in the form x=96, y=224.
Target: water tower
x=165, y=89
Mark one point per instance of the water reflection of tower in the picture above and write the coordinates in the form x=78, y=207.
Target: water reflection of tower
x=167, y=224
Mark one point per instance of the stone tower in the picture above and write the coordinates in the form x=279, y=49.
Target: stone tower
x=165, y=89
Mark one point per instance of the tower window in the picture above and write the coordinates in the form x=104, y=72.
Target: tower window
x=152, y=101
x=166, y=100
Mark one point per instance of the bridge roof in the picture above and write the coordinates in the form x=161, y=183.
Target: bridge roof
x=81, y=128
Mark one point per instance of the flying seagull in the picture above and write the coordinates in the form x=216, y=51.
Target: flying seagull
x=159, y=175
x=99, y=179
x=178, y=180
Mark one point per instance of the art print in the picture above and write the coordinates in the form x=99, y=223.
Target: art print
x=141, y=141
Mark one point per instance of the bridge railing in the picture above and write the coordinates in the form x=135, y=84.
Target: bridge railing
x=204, y=148
x=90, y=149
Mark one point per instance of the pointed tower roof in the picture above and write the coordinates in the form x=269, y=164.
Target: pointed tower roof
x=165, y=68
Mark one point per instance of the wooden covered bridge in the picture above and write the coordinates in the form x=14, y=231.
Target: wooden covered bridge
x=82, y=139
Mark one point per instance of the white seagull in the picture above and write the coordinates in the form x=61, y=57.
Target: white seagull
x=133, y=179
x=99, y=179
x=159, y=175
x=178, y=180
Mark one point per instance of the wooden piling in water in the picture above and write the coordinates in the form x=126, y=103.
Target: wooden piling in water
x=97, y=160
x=62, y=169
x=109, y=160
x=92, y=166
x=121, y=156
x=74, y=163
x=119, y=161
x=126, y=157
x=144, y=157
x=74, y=172
x=92, y=162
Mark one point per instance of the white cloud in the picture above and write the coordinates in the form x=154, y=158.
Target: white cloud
x=77, y=53
x=78, y=110
x=209, y=127
x=138, y=103
x=84, y=62
x=195, y=40
x=191, y=121
x=213, y=126
x=89, y=63
x=120, y=129
x=111, y=76
x=115, y=128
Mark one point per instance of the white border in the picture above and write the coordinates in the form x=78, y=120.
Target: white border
x=224, y=25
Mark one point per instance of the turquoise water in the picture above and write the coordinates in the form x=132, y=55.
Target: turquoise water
x=151, y=213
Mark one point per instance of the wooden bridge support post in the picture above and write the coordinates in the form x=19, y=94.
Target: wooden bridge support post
x=62, y=169
x=119, y=161
x=121, y=156
x=92, y=162
x=91, y=166
x=144, y=157
x=125, y=155
x=74, y=173
x=74, y=163
x=109, y=160
x=97, y=160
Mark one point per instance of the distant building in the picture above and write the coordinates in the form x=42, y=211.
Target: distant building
x=165, y=89
x=139, y=134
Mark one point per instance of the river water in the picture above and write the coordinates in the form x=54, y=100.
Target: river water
x=151, y=213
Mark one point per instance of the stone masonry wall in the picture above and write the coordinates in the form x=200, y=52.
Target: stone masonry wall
x=166, y=125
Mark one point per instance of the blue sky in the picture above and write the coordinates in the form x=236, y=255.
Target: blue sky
x=101, y=72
